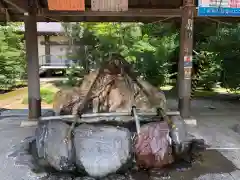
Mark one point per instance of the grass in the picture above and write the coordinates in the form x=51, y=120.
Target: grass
x=48, y=91
x=47, y=96
x=14, y=93
x=204, y=93
x=18, y=89
x=166, y=88
x=200, y=92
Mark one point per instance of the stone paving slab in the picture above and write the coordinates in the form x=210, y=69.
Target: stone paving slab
x=236, y=174
x=18, y=112
x=216, y=177
x=11, y=134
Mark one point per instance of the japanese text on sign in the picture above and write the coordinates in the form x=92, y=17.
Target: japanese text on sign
x=187, y=73
x=188, y=61
x=219, y=8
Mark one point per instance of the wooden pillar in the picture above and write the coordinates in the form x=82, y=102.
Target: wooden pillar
x=47, y=49
x=185, y=59
x=34, y=99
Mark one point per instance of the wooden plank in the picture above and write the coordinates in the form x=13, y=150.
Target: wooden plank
x=47, y=49
x=130, y=13
x=59, y=43
x=144, y=2
x=20, y=18
x=66, y=5
x=109, y=5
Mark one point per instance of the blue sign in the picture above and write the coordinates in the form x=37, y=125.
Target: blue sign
x=187, y=64
x=216, y=8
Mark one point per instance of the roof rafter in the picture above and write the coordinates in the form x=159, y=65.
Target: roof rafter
x=4, y=9
x=20, y=9
x=38, y=4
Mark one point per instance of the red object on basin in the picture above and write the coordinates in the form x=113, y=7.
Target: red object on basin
x=152, y=146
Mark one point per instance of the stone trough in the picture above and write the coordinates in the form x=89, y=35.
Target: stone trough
x=122, y=165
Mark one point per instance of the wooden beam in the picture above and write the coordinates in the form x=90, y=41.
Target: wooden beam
x=38, y=4
x=129, y=13
x=4, y=9
x=59, y=43
x=20, y=9
x=145, y=17
x=47, y=48
x=20, y=18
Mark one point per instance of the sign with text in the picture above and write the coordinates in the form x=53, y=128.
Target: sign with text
x=109, y=5
x=187, y=73
x=188, y=61
x=218, y=8
x=66, y=5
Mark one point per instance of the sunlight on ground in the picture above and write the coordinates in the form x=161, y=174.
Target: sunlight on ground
x=200, y=92
x=19, y=99
x=13, y=93
x=47, y=96
x=166, y=88
x=224, y=91
x=47, y=92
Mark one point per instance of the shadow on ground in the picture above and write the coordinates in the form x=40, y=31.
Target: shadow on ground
x=209, y=162
x=212, y=162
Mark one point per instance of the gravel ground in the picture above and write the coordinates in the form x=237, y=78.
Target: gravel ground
x=215, y=126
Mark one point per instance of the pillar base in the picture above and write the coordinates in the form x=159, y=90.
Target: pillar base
x=34, y=106
x=190, y=121
x=28, y=123
x=184, y=107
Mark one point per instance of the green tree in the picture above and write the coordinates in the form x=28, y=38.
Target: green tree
x=135, y=41
x=153, y=49
x=225, y=55
x=12, y=61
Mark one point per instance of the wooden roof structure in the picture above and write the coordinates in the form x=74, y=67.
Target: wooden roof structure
x=139, y=10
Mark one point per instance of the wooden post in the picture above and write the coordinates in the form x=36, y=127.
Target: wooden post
x=47, y=49
x=185, y=59
x=34, y=99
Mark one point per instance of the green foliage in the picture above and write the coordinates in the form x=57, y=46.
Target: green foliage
x=74, y=75
x=12, y=61
x=228, y=42
x=153, y=49
x=47, y=96
x=224, y=46
x=134, y=41
x=212, y=69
